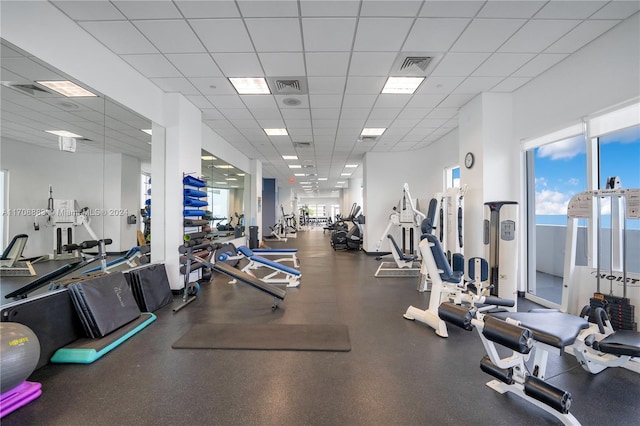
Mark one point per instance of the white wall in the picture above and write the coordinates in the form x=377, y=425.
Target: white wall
x=422, y=170
x=110, y=183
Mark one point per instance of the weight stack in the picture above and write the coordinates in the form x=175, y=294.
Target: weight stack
x=620, y=310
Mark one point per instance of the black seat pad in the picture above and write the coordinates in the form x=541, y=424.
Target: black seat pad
x=622, y=342
x=553, y=328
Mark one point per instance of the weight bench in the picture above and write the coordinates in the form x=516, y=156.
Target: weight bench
x=403, y=265
x=128, y=259
x=526, y=334
x=277, y=293
x=290, y=255
x=281, y=274
x=10, y=263
x=448, y=285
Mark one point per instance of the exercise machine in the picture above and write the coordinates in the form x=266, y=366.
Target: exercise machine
x=526, y=334
x=501, y=247
x=12, y=263
x=611, y=311
x=448, y=285
x=64, y=216
x=345, y=238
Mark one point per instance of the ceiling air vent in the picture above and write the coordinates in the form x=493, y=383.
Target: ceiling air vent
x=308, y=166
x=29, y=89
x=414, y=64
x=302, y=144
x=288, y=85
x=368, y=138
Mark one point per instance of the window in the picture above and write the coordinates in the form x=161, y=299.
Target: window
x=3, y=207
x=218, y=199
x=452, y=177
x=556, y=171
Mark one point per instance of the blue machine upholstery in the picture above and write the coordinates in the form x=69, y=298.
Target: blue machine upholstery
x=447, y=274
x=248, y=253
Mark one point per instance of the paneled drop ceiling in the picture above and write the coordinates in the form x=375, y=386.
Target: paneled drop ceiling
x=343, y=51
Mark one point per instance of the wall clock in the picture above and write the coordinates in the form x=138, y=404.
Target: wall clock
x=468, y=160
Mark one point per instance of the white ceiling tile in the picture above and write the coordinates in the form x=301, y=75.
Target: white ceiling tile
x=510, y=9
x=536, y=35
x=477, y=84
x=332, y=8
x=325, y=124
x=365, y=85
x=201, y=102
x=89, y=11
x=275, y=35
x=267, y=8
x=207, y=9
x=148, y=9
x=324, y=134
x=153, y=65
x=326, y=85
x=327, y=64
x=259, y=101
x=208, y=113
x=325, y=101
x=328, y=34
x=358, y=101
x=486, y=35
x=581, y=35
x=443, y=113
x=222, y=35
x=239, y=64
x=439, y=84
x=569, y=9
x=390, y=8
x=617, y=10
x=176, y=84
x=402, y=125
x=246, y=124
x=381, y=34
x=459, y=64
x=282, y=64
x=457, y=100
x=510, y=84
x=266, y=113
x=503, y=64
x=388, y=100
x=371, y=63
x=213, y=85
x=299, y=127
x=450, y=9
x=409, y=114
x=170, y=36
x=194, y=64
x=226, y=101
x=271, y=124
x=433, y=34
x=387, y=114
x=304, y=101
x=379, y=122
x=121, y=37
x=354, y=113
x=539, y=64
x=325, y=113
x=425, y=101
x=296, y=114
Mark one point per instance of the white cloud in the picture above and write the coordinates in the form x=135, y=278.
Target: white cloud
x=566, y=149
x=629, y=135
x=573, y=181
x=551, y=202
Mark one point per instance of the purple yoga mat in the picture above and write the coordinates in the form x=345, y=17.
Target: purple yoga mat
x=19, y=396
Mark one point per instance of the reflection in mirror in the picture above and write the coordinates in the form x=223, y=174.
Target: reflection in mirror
x=225, y=186
x=70, y=165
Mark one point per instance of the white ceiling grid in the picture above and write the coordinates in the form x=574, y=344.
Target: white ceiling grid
x=345, y=50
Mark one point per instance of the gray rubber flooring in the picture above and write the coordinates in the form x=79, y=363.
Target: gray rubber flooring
x=397, y=373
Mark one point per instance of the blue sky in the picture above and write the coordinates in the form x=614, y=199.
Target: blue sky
x=561, y=170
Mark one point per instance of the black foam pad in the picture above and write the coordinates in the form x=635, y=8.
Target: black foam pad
x=553, y=328
x=622, y=342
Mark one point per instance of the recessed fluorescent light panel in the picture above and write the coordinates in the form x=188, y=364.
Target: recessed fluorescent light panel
x=351, y=166
x=340, y=182
x=239, y=174
x=402, y=85
x=322, y=178
x=345, y=174
x=276, y=132
x=299, y=174
x=372, y=131
x=67, y=88
x=250, y=86
x=295, y=166
x=147, y=131
x=290, y=157
x=223, y=166
x=230, y=179
x=208, y=157
x=222, y=183
x=63, y=133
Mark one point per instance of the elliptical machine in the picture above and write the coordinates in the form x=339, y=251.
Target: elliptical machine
x=345, y=238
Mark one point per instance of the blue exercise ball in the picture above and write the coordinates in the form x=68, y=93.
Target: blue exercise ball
x=19, y=354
